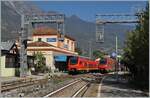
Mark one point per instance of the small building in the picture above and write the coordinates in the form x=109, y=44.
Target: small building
x=9, y=59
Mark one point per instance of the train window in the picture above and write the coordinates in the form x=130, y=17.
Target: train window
x=73, y=60
x=103, y=61
x=80, y=63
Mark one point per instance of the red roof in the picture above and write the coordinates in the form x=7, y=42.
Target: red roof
x=45, y=31
x=48, y=31
x=39, y=44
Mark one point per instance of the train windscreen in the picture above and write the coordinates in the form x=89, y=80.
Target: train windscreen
x=103, y=61
x=73, y=60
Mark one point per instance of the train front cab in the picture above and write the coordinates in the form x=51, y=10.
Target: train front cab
x=81, y=65
x=78, y=65
x=73, y=64
x=104, y=65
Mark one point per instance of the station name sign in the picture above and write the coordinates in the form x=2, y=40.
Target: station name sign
x=51, y=39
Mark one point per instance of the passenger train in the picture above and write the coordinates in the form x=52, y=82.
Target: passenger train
x=78, y=64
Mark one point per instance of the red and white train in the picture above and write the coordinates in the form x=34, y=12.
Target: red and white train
x=83, y=64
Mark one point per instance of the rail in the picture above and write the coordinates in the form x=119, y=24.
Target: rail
x=18, y=84
x=62, y=88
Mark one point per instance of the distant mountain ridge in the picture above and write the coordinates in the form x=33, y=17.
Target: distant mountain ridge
x=79, y=29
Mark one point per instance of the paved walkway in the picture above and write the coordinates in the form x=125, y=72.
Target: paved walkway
x=113, y=88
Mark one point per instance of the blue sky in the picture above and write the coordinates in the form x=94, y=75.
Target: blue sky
x=87, y=10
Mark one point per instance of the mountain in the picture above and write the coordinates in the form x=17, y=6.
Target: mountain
x=79, y=29
x=84, y=31
x=10, y=21
x=10, y=18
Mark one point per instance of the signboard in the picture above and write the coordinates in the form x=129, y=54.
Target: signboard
x=61, y=58
x=51, y=39
x=113, y=54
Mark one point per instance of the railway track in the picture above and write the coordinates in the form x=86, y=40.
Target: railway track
x=77, y=88
x=21, y=83
x=81, y=91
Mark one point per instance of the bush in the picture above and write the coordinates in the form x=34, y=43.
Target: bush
x=40, y=65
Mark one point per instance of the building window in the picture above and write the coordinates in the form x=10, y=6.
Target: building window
x=10, y=62
x=39, y=39
x=67, y=41
x=71, y=45
x=65, y=46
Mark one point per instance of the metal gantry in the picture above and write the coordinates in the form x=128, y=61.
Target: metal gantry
x=57, y=18
x=102, y=19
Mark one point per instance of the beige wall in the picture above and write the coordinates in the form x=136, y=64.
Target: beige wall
x=70, y=44
x=6, y=71
x=44, y=38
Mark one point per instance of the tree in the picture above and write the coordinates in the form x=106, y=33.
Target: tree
x=136, y=52
x=40, y=65
x=98, y=54
x=78, y=50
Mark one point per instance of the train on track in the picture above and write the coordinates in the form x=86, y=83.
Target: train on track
x=78, y=64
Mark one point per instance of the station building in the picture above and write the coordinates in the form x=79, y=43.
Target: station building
x=46, y=41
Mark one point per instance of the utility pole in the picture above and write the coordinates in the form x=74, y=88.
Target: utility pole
x=23, y=44
x=116, y=39
x=23, y=51
x=90, y=49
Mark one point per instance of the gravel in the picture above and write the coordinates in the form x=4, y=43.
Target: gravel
x=39, y=90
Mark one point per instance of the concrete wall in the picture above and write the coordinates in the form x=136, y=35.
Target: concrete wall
x=5, y=72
